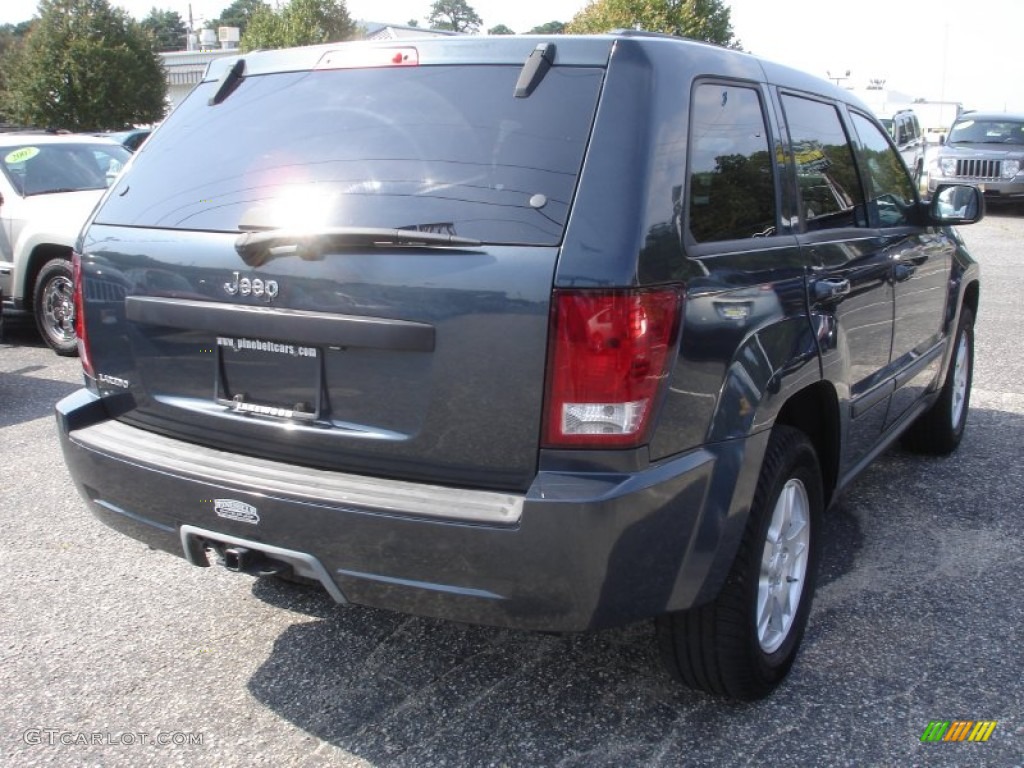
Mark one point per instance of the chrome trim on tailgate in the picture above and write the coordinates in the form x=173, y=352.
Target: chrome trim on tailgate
x=277, y=323
x=372, y=494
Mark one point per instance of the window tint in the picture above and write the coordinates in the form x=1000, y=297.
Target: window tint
x=890, y=190
x=732, y=188
x=830, y=194
x=445, y=149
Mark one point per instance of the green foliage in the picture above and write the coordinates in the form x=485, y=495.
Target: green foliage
x=501, y=29
x=84, y=66
x=456, y=15
x=551, y=28
x=11, y=37
x=238, y=14
x=299, y=22
x=698, y=19
x=168, y=30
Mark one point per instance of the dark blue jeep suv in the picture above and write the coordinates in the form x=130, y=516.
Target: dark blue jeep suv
x=546, y=333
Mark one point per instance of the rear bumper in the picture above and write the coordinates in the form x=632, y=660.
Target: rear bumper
x=579, y=550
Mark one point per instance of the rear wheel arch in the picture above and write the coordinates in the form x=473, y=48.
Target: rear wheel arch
x=814, y=411
x=971, y=296
x=40, y=257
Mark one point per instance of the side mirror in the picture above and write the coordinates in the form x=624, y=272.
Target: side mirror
x=956, y=204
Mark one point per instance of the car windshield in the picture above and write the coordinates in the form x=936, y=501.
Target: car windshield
x=38, y=168
x=438, y=149
x=968, y=131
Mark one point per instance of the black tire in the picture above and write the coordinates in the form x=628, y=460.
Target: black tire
x=718, y=647
x=54, y=308
x=938, y=430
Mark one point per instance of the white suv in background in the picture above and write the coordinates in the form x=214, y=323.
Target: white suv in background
x=905, y=129
x=49, y=183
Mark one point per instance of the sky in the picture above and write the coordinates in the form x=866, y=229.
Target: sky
x=936, y=50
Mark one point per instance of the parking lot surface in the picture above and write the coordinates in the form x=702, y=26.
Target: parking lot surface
x=111, y=654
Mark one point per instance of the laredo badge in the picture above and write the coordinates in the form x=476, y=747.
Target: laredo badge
x=232, y=509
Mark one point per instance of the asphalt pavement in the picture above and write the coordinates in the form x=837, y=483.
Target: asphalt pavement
x=111, y=654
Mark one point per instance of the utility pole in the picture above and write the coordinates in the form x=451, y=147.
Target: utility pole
x=837, y=78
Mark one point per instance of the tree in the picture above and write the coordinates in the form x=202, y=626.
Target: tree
x=299, y=22
x=168, y=30
x=412, y=23
x=84, y=66
x=456, y=15
x=11, y=38
x=698, y=19
x=238, y=14
x=551, y=28
x=501, y=29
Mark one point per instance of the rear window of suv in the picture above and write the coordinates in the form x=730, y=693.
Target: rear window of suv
x=435, y=148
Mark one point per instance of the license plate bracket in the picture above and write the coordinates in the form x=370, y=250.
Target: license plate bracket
x=262, y=377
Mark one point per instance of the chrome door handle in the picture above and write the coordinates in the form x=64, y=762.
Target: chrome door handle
x=830, y=289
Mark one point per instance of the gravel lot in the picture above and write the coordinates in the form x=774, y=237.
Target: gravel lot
x=107, y=649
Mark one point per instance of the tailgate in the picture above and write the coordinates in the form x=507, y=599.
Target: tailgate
x=416, y=356
x=409, y=363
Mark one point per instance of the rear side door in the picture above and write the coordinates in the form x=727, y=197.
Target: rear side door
x=850, y=289
x=921, y=259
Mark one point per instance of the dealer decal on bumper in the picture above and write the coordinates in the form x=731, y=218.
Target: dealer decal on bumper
x=232, y=509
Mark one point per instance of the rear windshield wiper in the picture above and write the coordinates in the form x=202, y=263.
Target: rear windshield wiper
x=257, y=248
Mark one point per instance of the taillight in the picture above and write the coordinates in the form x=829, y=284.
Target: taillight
x=83, y=338
x=609, y=352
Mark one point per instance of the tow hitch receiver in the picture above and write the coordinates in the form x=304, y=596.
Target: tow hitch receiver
x=254, y=557
x=254, y=562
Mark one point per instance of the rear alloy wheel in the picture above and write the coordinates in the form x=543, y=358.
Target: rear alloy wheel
x=743, y=643
x=938, y=430
x=54, y=307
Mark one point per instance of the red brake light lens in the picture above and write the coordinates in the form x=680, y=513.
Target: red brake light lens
x=609, y=352
x=83, y=339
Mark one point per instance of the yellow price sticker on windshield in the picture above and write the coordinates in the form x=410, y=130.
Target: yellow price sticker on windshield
x=21, y=155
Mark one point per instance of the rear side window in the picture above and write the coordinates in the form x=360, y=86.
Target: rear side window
x=902, y=131
x=443, y=149
x=830, y=193
x=732, y=187
x=890, y=191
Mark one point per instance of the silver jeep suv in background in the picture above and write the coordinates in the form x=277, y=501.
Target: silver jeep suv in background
x=985, y=149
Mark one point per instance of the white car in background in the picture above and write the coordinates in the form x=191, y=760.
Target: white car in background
x=49, y=184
